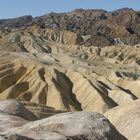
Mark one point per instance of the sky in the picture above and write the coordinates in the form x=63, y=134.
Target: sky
x=16, y=8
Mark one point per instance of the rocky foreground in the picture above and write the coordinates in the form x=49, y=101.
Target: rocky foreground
x=53, y=86
x=17, y=122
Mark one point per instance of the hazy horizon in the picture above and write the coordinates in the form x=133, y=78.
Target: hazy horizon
x=16, y=8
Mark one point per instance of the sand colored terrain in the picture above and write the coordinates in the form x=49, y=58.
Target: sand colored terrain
x=49, y=72
x=47, y=80
x=126, y=119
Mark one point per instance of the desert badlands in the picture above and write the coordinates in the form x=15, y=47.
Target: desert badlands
x=71, y=76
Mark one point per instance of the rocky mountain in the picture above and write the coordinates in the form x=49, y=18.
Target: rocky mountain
x=105, y=28
x=56, y=85
x=16, y=22
x=97, y=27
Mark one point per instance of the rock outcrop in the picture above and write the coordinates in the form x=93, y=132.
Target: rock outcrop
x=65, y=126
x=78, y=125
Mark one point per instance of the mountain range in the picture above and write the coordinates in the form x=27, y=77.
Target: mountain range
x=98, y=27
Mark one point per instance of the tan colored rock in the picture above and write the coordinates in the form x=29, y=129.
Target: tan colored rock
x=72, y=79
x=46, y=79
x=88, y=95
x=126, y=119
x=61, y=36
x=54, y=73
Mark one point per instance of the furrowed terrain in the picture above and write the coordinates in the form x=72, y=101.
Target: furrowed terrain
x=46, y=70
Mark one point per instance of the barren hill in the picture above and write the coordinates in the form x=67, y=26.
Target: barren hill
x=99, y=27
x=47, y=70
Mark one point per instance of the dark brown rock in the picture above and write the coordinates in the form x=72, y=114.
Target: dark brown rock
x=122, y=24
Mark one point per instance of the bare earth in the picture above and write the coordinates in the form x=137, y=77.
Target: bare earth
x=45, y=72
